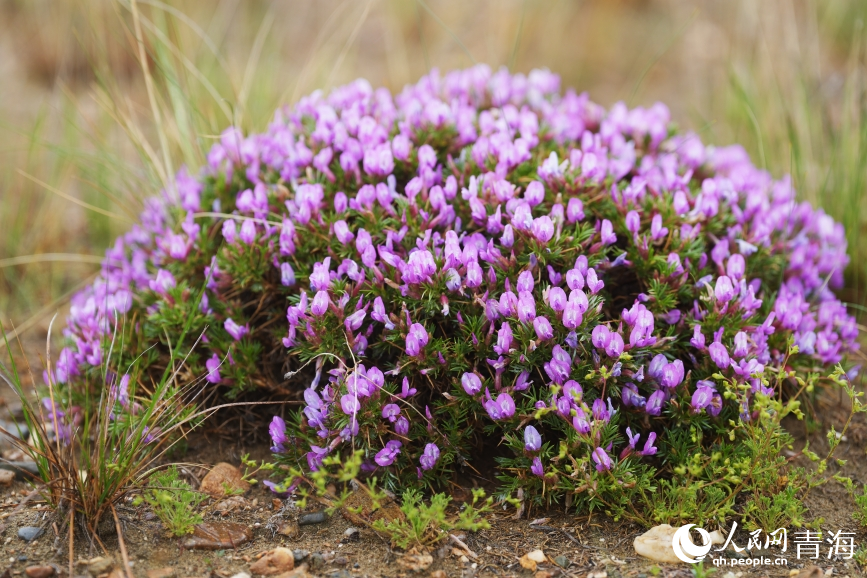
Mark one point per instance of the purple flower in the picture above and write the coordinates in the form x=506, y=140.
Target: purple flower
x=287, y=237
x=213, y=367
x=556, y=299
x=697, y=340
x=672, y=374
x=602, y=459
x=580, y=421
x=649, y=448
x=386, y=456
x=558, y=369
x=601, y=336
x=430, y=456
x=574, y=210
x=320, y=278
x=453, y=280
x=525, y=282
x=572, y=390
x=630, y=396
x=287, y=275
x=230, y=231
x=416, y=339
x=507, y=239
x=236, y=331
x=401, y=426
x=354, y=321
x=736, y=266
x=342, y=232
x=574, y=279
x=474, y=275
x=315, y=457
x=471, y=383
x=593, y=283
x=501, y=408
x=615, y=345
x=543, y=328
x=536, y=468
x=391, y=412
x=606, y=233
x=504, y=339
x=742, y=345
x=573, y=314
x=701, y=399
x=532, y=439
x=349, y=404
x=523, y=381
x=163, y=282
x=633, y=222
x=723, y=290
x=526, y=307
x=543, y=229
x=719, y=355
x=277, y=429
x=654, y=403
x=406, y=390
x=535, y=193
x=378, y=161
x=379, y=313
x=248, y=232
x=320, y=303
x=657, y=231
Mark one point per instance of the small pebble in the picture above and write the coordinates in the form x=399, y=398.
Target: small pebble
x=313, y=518
x=29, y=533
x=562, y=561
x=289, y=528
x=241, y=575
x=39, y=571
x=6, y=477
x=351, y=535
x=22, y=558
x=300, y=554
x=316, y=560
x=341, y=560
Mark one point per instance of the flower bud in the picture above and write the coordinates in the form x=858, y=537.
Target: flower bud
x=532, y=439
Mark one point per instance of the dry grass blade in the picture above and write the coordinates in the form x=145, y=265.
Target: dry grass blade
x=50, y=257
x=91, y=456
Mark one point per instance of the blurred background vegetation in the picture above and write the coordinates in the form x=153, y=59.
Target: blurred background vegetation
x=87, y=132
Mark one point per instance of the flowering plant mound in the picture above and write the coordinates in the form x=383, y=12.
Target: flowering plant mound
x=483, y=265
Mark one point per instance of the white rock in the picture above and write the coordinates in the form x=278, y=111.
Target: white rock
x=537, y=556
x=656, y=544
x=241, y=575
x=716, y=537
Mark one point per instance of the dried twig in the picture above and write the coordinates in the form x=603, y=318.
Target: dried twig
x=121, y=543
x=460, y=544
x=71, y=538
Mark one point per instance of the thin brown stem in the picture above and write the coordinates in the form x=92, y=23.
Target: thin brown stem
x=71, y=538
x=121, y=543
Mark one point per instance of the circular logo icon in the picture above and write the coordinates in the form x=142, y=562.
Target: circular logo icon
x=685, y=549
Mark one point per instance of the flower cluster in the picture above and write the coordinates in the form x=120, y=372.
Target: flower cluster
x=489, y=258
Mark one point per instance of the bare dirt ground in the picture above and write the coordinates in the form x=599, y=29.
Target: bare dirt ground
x=575, y=545
x=587, y=545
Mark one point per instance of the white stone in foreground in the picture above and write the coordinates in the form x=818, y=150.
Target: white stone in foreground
x=656, y=544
